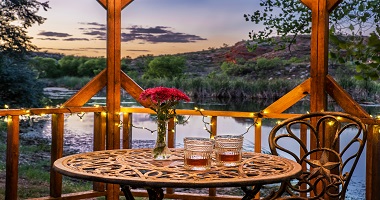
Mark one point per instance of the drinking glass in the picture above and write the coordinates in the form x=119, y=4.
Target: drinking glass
x=228, y=149
x=197, y=153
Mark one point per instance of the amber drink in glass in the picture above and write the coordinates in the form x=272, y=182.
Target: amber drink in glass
x=228, y=149
x=197, y=153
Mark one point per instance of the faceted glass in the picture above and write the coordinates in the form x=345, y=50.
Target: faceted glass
x=197, y=153
x=228, y=149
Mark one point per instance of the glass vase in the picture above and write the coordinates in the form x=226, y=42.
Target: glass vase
x=161, y=150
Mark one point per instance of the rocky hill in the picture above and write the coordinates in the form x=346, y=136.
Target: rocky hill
x=203, y=62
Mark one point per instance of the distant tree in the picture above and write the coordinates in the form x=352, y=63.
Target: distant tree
x=15, y=17
x=167, y=66
x=45, y=67
x=70, y=65
x=92, y=67
x=352, y=19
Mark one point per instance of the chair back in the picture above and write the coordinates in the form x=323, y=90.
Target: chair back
x=327, y=165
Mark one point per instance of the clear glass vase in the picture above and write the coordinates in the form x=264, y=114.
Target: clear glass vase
x=161, y=150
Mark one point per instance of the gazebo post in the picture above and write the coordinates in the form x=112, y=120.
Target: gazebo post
x=113, y=8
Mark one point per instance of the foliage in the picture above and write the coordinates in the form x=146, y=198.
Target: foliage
x=70, y=64
x=268, y=64
x=360, y=53
x=15, y=17
x=232, y=69
x=92, y=67
x=19, y=86
x=353, y=18
x=45, y=67
x=167, y=66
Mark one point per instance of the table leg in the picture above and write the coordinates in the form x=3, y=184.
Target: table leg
x=155, y=193
x=250, y=193
x=127, y=192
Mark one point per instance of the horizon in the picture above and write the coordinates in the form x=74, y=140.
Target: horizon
x=148, y=27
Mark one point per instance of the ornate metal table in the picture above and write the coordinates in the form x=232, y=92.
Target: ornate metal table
x=136, y=168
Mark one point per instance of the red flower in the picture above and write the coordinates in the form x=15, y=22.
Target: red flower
x=164, y=100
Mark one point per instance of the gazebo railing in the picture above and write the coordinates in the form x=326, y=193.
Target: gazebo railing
x=99, y=143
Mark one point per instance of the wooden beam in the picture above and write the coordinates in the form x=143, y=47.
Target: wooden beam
x=373, y=163
x=345, y=101
x=88, y=91
x=103, y=3
x=133, y=89
x=13, y=151
x=308, y=3
x=113, y=83
x=125, y=3
x=289, y=99
x=319, y=55
x=57, y=127
x=332, y=4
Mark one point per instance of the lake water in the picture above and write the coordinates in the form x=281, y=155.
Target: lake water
x=78, y=132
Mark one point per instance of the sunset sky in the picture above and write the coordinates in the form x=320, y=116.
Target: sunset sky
x=77, y=27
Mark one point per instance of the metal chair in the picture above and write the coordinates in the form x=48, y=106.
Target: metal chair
x=327, y=166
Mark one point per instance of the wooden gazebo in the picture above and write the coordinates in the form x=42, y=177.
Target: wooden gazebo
x=106, y=124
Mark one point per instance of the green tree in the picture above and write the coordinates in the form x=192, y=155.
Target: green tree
x=19, y=86
x=352, y=19
x=92, y=67
x=167, y=66
x=70, y=65
x=45, y=67
x=15, y=17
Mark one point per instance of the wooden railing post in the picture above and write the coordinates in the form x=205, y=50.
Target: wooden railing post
x=13, y=143
x=258, y=130
x=57, y=129
x=127, y=130
x=373, y=162
x=99, y=141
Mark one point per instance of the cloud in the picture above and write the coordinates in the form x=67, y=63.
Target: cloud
x=76, y=39
x=156, y=34
x=171, y=37
x=53, y=34
x=47, y=38
x=159, y=34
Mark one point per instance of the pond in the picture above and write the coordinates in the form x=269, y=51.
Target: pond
x=79, y=129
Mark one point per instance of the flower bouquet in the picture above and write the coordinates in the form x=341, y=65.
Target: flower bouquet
x=163, y=101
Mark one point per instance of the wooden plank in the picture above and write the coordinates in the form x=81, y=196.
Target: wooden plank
x=88, y=91
x=307, y=3
x=113, y=83
x=318, y=58
x=125, y=3
x=103, y=3
x=332, y=4
x=345, y=101
x=258, y=130
x=289, y=99
x=373, y=163
x=213, y=126
x=99, y=141
x=74, y=196
x=57, y=127
x=13, y=151
x=171, y=133
x=127, y=130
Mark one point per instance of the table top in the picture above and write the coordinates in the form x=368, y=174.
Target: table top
x=135, y=167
